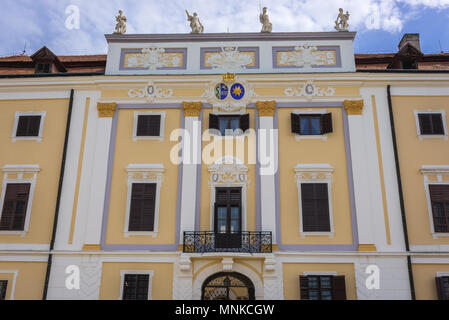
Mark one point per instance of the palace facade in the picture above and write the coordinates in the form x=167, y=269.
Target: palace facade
x=225, y=166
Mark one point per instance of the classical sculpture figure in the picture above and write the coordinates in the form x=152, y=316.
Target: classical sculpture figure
x=195, y=23
x=341, y=24
x=265, y=20
x=120, y=27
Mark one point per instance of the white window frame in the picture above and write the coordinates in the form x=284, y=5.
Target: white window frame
x=239, y=179
x=20, y=171
x=149, y=113
x=439, y=171
x=431, y=136
x=19, y=114
x=144, y=272
x=322, y=137
x=321, y=273
x=13, y=288
x=442, y=274
x=144, y=173
x=315, y=173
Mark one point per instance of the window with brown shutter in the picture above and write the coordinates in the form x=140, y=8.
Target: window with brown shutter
x=431, y=123
x=223, y=123
x=311, y=124
x=135, y=287
x=143, y=202
x=439, y=196
x=3, y=288
x=28, y=126
x=320, y=287
x=442, y=288
x=149, y=126
x=315, y=207
x=43, y=68
x=15, y=207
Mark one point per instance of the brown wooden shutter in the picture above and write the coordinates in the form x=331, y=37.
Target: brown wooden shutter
x=442, y=284
x=149, y=125
x=437, y=123
x=338, y=288
x=136, y=287
x=439, y=196
x=15, y=207
x=295, y=123
x=304, y=287
x=142, y=211
x=244, y=122
x=326, y=123
x=28, y=126
x=214, y=122
x=3, y=289
x=315, y=207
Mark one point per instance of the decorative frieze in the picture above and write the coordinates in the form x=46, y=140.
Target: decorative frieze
x=231, y=173
x=266, y=108
x=310, y=90
x=354, y=107
x=192, y=109
x=150, y=92
x=106, y=110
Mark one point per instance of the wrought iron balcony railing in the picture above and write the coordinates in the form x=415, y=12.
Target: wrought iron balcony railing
x=242, y=242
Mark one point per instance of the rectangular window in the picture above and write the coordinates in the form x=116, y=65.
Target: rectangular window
x=28, y=126
x=3, y=288
x=224, y=123
x=431, y=123
x=43, y=68
x=442, y=288
x=15, y=207
x=317, y=287
x=149, y=125
x=142, y=211
x=135, y=286
x=315, y=207
x=311, y=124
x=228, y=217
x=439, y=197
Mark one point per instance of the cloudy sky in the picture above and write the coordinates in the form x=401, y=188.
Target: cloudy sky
x=379, y=23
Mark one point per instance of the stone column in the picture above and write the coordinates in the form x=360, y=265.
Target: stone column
x=267, y=171
x=354, y=109
x=191, y=157
x=99, y=176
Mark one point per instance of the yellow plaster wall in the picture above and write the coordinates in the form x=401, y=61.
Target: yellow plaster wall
x=143, y=152
x=47, y=154
x=162, y=285
x=314, y=151
x=424, y=278
x=292, y=271
x=29, y=281
x=205, y=222
x=413, y=154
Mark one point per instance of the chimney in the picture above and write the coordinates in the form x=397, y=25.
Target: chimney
x=411, y=38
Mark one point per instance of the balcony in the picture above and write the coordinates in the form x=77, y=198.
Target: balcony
x=242, y=242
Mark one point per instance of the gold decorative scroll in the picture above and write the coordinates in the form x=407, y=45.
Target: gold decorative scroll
x=106, y=110
x=266, y=108
x=192, y=109
x=354, y=107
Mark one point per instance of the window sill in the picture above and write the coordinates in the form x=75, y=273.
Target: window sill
x=322, y=137
x=437, y=235
x=37, y=139
x=152, y=234
x=316, y=234
x=432, y=136
x=18, y=233
x=159, y=138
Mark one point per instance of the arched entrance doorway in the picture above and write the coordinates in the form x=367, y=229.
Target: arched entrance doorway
x=227, y=286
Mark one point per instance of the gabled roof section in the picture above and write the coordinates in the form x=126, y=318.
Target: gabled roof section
x=46, y=55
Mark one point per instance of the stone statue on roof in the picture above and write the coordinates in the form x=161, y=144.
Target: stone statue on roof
x=195, y=23
x=120, y=27
x=267, y=26
x=341, y=24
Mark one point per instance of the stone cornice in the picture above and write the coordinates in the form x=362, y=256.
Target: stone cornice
x=192, y=109
x=266, y=108
x=106, y=110
x=354, y=107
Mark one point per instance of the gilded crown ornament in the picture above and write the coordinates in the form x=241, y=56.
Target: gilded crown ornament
x=229, y=78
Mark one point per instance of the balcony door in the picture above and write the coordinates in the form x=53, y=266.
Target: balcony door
x=228, y=218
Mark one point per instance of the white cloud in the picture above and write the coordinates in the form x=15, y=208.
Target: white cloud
x=43, y=21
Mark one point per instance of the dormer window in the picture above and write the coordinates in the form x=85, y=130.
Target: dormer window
x=43, y=68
